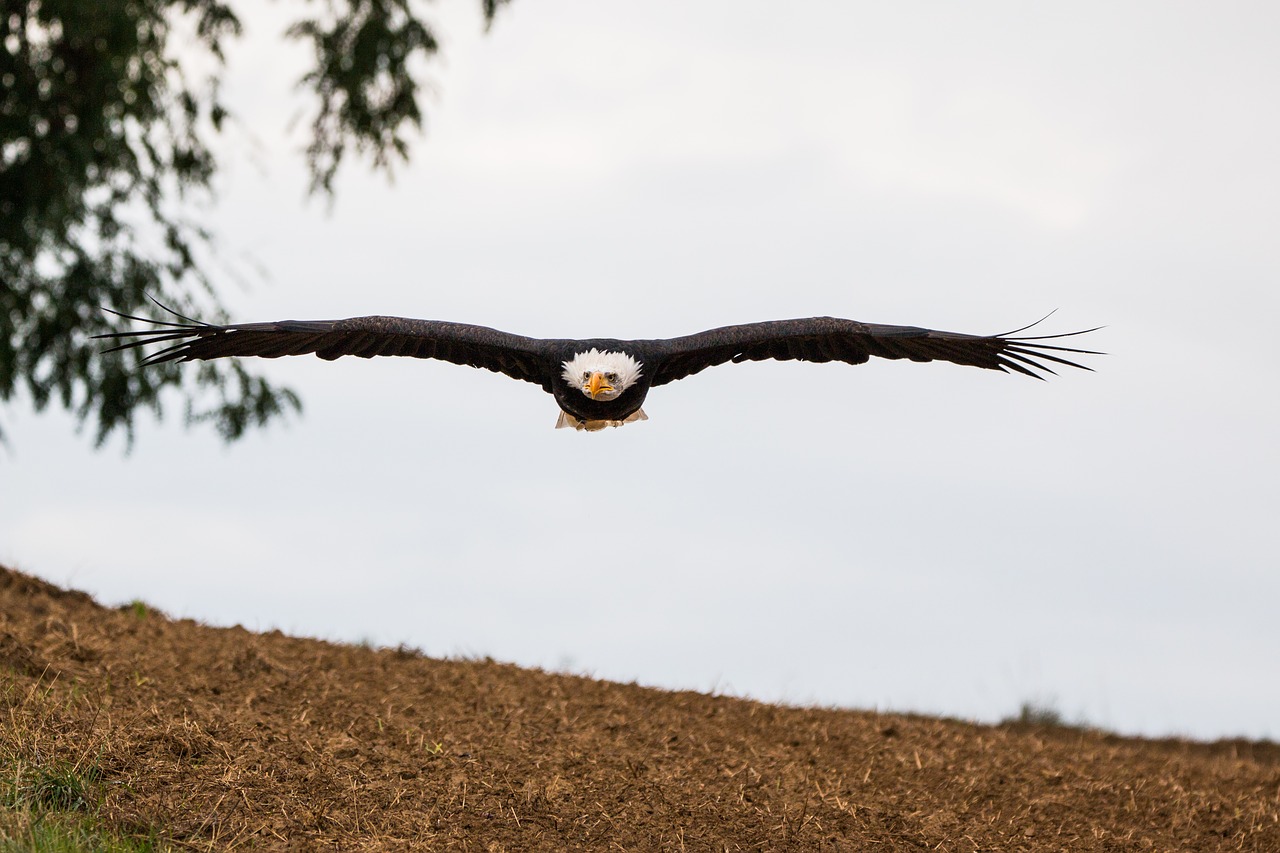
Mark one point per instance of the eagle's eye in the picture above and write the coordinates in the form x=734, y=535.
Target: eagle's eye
x=612, y=377
x=586, y=375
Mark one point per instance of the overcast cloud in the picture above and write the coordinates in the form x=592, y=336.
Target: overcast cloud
x=919, y=537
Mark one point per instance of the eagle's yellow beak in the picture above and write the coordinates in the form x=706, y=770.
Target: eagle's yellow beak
x=597, y=385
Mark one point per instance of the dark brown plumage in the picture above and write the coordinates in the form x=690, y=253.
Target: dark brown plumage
x=546, y=362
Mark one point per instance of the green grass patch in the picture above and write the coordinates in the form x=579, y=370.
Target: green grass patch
x=27, y=831
x=60, y=787
x=52, y=810
x=51, y=783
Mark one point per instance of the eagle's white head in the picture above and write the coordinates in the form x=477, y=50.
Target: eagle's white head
x=601, y=375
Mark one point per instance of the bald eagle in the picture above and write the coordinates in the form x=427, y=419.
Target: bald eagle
x=600, y=382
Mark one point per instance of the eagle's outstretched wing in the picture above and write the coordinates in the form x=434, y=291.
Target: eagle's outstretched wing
x=476, y=346
x=832, y=339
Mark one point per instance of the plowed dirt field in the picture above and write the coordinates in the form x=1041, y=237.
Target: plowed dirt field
x=218, y=738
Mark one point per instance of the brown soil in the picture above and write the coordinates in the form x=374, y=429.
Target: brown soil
x=218, y=738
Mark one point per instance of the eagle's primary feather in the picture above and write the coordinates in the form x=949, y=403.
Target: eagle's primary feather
x=624, y=371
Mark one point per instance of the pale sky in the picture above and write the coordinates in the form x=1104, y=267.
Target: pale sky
x=896, y=536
